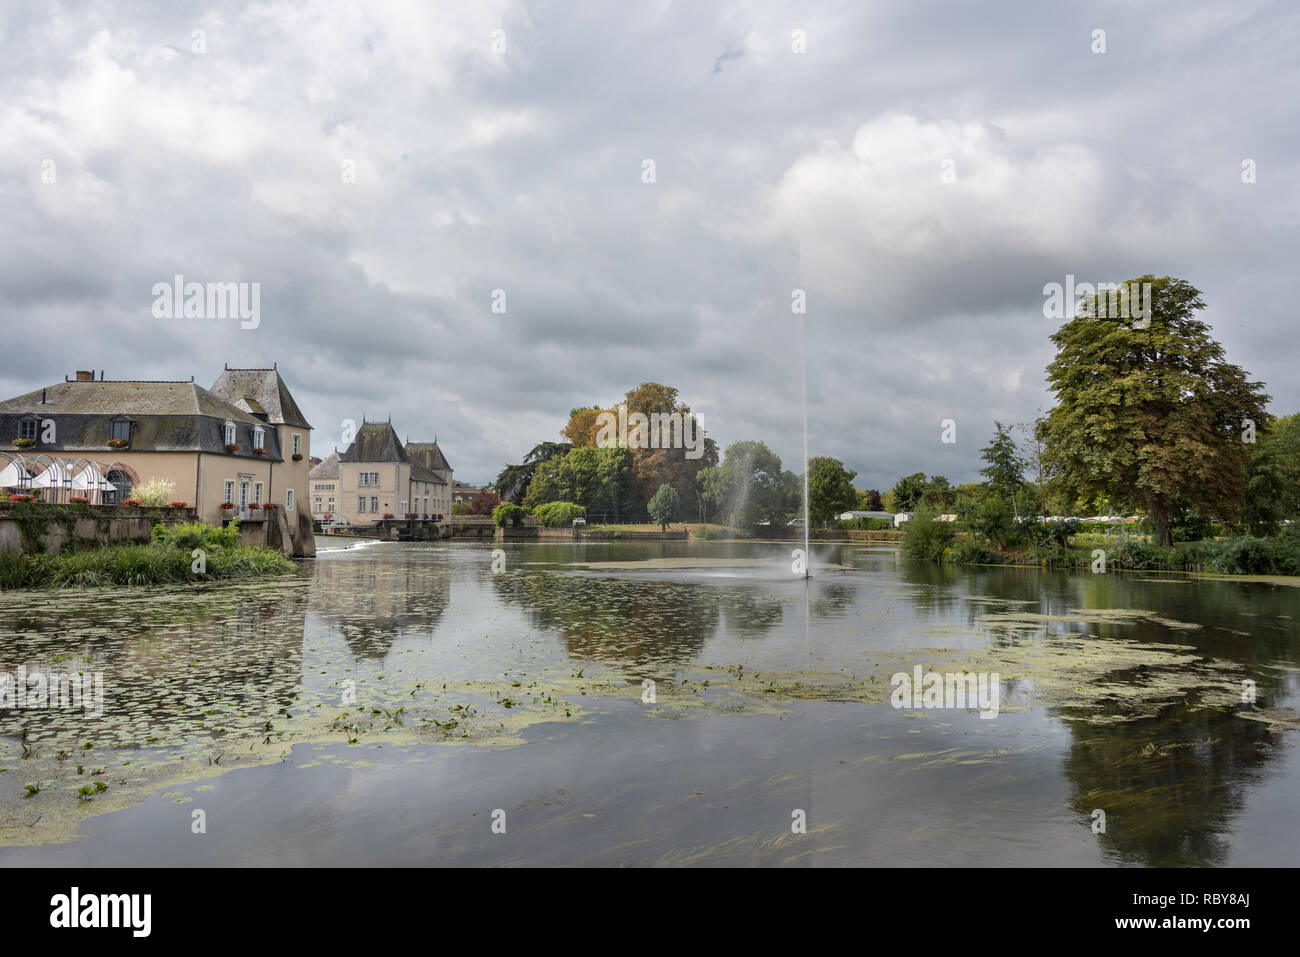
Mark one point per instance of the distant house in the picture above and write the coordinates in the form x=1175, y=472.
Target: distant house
x=466, y=493
x=848, y=516
x=323, y=487
x=380, y=478
x=243, y=442
x=902, y=517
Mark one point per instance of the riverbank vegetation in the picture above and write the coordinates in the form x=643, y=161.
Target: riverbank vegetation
x=177, y=555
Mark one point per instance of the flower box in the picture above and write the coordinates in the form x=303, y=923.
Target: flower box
x=117, y=443
x=297, y=456
x=227, y=504
x=132, y=502
x=232, y=447
x=259, y=451
x=79, y=500
x=253, y=506
x=388, y=515
x=23, y=498
x=24, y=443
x=176, y=505
x=270, y=507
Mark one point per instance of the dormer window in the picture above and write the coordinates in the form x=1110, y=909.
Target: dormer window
x=259, y=438
x=120, y=429
x=27, y=427
x=230, y=433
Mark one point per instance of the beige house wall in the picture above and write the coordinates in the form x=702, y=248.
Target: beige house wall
x=198, y=476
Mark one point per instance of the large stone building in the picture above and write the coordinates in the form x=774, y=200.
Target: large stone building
x=242, y=442
x=379, y=478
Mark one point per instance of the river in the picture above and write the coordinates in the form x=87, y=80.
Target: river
x=655, y=703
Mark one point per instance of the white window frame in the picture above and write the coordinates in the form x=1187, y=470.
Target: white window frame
x=229, y=432
x=288, y=500
x=297, y=443
x=259, y=438
x=257, y=492
x=229, y=490
x=361, y=503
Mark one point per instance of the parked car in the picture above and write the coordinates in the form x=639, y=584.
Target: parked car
x=579, y=521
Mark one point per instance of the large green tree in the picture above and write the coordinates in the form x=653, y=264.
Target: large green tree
x=906, y=494
x=1147, y=414
x=830, y=488
x=749, y=486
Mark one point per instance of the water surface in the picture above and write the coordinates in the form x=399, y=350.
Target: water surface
x=379, y=707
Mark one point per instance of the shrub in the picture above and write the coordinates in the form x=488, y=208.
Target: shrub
x=155, y=492
x=506, y=513
x=558, y=514
x=867, y=524
x=924, y=536
x=193, y=535
x=967, y=551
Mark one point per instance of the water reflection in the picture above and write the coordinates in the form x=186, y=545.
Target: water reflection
x=1121, y=677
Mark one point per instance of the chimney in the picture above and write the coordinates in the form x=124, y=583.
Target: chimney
x=85, y=376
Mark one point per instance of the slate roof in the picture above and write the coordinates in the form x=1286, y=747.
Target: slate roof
x=327, y=468
x=428, y=453
x=165, y=417
x=261, y=392
x=421, y=474
x=375, y=442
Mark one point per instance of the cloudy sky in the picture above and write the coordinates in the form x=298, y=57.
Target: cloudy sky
x=381, y=168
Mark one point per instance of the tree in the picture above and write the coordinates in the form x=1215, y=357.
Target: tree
x=483, y=503
x=907, y=492
x=663, y=506
x=830, y=488
x=938, y=495
x=514, y=480
x=1144, y=414
x=869, y=500
x=590, y=477
x=749, y=487
x=1005, y=469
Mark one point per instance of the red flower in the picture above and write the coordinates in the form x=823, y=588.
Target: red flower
x=176, y=505
x=133, y=501
x=232, y=447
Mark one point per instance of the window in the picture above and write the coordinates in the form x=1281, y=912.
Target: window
x=316, y=504
x=374, y=503
x=120, y=430
x=230, y=491
x=361, y=503
x=297, y=443
x=27, y=428
x=257, y=492
x=288, y=500
x=230, y=433
x=259, y=439
x=370, y=479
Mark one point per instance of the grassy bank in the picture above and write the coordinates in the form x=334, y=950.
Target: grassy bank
x=126, y=565
x=170, y=559
x=1244, y=555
